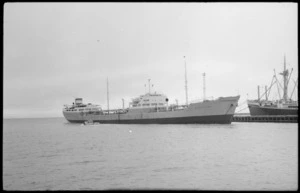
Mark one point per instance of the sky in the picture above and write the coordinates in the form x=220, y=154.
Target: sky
x=55, y=52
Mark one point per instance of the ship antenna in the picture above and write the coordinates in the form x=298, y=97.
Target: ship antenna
x=107, y=97
x=186, y=87
x=258, y=93
x=204, y=86
x=149, y=84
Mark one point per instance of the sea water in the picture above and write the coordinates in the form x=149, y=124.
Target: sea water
x=52, y=154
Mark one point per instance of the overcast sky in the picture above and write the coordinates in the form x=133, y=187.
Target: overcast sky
x=54, y=52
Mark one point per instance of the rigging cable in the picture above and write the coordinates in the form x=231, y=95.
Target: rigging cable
x=296, y=82
x=242, y=109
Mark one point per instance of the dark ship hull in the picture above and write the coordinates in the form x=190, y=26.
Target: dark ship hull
x=256, y=110
x=217, y=119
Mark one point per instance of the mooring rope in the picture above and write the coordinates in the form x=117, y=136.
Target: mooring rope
x=242, y=109
x=241, y=105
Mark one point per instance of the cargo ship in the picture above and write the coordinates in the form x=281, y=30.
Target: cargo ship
x=153, y=108
x=282, y=106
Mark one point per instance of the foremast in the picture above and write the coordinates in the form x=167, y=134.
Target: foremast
x=285, y=75
x=186, y=87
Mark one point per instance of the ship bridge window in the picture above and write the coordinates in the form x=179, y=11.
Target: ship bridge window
x=153, y=104
x=161, y=104
x=146, y=104
x=134, y=105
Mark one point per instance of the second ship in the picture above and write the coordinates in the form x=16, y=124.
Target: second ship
x=283, y=106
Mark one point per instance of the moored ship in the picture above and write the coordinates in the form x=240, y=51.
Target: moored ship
x=264, y=107
x=282, y=106
x=154, y=109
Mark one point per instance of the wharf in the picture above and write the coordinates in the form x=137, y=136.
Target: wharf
x=266, y=118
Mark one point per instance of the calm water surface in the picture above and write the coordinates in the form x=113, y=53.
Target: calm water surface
x=52, y=154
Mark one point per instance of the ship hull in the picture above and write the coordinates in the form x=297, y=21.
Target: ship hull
x=209, y=112
x=217, y=119
x=256, y=110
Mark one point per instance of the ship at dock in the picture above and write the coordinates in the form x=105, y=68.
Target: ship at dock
x=154, y=108
x=282, y=106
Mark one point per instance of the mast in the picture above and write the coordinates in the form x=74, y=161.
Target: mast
x=258, y=93
x=277, y=83
x=107, y=97
x=149, y=84
x=186, y=88
x=266, y=92
x=204, y=86
x=285, y=75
